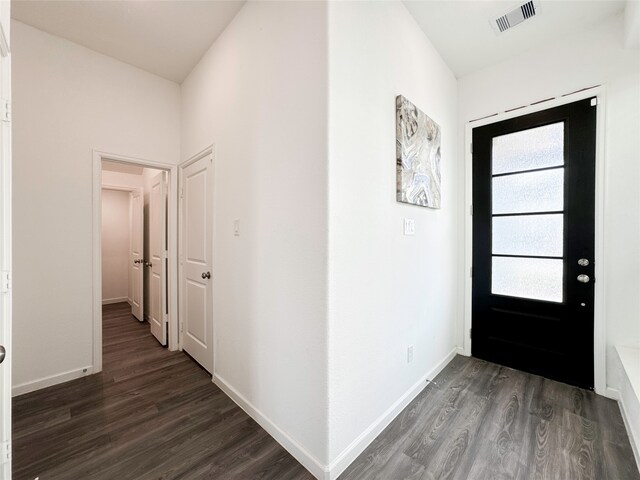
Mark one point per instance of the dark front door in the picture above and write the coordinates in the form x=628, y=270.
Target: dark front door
x=533, y=242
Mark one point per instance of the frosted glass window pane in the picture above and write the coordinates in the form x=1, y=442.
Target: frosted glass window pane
x=535, y=278
x=528, y=149
x=528, y=235
x=529, y=192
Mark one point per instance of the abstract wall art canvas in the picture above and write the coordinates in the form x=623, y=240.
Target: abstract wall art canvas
x=417, y=156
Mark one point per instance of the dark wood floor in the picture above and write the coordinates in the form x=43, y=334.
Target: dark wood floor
x=151, y=414
x=486, y=422
x=154, y=414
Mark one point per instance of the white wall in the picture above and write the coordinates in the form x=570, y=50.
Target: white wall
x=115, y=245
x=67, y=101
x=386, y=291
x=592, y=58
x=260, y=93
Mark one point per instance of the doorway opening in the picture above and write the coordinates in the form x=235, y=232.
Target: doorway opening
x=135, y=245
x=134, y=242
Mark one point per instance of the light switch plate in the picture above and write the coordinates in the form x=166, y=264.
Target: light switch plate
x=409, y=226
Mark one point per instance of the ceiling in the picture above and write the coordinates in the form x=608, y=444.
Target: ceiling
x=462, y=34
x=167, y=37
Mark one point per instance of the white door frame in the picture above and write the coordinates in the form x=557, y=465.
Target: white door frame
x=172, y=228
x=210, y=150
x=5, y=240
x=600, y=330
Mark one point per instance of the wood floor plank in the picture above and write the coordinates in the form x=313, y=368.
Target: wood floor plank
x=487, y=422
x=151, y=414
x=154, y=414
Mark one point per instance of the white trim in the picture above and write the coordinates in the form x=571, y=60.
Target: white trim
x=4, y=43
x=294, y=448
x=51, y=380
x=633, y=439
x=172, y=169
x=600, y=340
x=629, y=395
x=121, y=188
x=612, y=393
x=110, y=301
x=356, y=447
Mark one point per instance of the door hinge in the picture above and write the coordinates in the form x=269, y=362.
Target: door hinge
x=5, y=278
x=471, y=147
x=6, y=452
x=471, y=210
x=181, y=192
x=181, y=327
x=471, y=272
x=6, y=111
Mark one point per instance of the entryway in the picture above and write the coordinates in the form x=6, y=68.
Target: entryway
x=136, y=255
x=134, y=242
x=534, y=180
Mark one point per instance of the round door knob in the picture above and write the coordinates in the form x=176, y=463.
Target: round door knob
x=3, y=353
x=206, y=275
x=583, y=262
x=583, y=278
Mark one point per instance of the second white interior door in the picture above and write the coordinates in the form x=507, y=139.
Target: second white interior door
x=196, y=256
x=136, y=267
x=157, y=257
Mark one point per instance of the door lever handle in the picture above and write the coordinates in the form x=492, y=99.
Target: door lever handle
x=206, y=275
x=3, y=353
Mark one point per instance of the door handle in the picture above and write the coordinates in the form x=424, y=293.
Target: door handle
x=148, y=264
x=3, y=353
x=206, y=275
x=137, y=261
x=583, y=278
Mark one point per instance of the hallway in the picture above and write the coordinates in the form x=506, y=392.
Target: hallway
x=150, y=414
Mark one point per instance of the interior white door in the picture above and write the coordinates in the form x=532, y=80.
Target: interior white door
x=196, y=255
x=136, y=262
x=157, y=263
x=5, y=258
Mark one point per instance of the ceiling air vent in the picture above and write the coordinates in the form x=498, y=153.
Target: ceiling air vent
x=515, y=16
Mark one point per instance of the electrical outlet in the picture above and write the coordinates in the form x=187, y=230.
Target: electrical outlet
x=410, y=354
x=409, y=226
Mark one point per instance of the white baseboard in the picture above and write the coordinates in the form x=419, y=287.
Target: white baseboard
x=460, y=351
x=629, y=396
x=289, y=444
x=49, y=381
x=356, y=447
x=611, y=393
x=109, y=301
